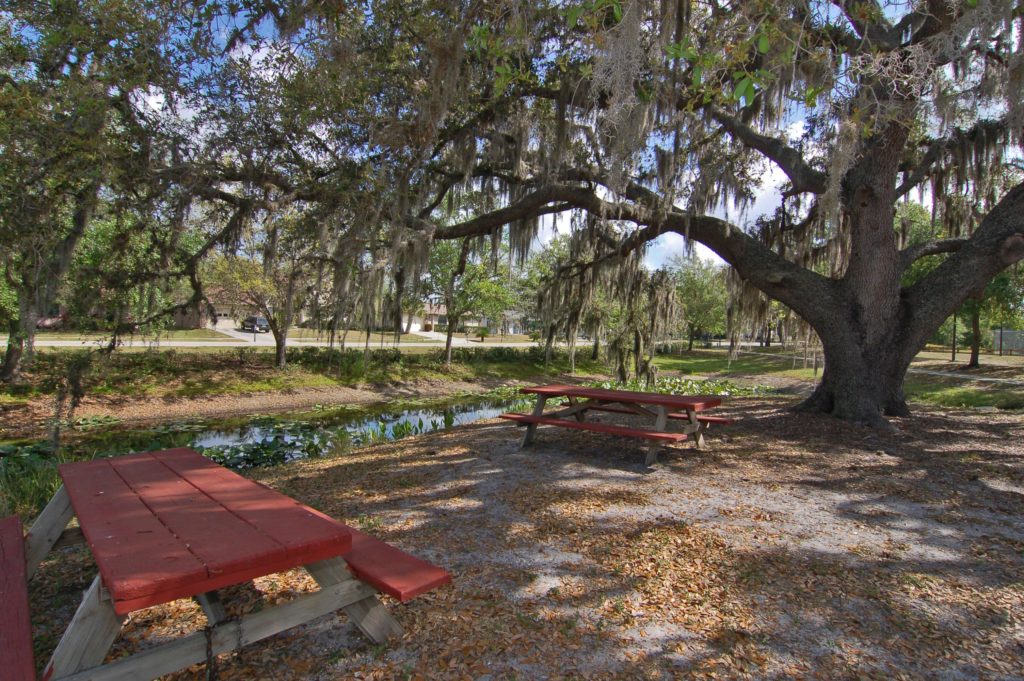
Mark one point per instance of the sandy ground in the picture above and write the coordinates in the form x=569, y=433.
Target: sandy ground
x=794, y=547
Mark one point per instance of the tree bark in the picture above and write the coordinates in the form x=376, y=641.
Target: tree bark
x=595, y=351
x=452, y=323
x=689, y=346
x=549, y=344
x=13, y=355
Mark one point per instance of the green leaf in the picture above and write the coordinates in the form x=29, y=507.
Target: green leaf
x=698, y=73
x=573, y=15
x=617, y=11
x=741, y=88
x=763, y=45
x=973, y=4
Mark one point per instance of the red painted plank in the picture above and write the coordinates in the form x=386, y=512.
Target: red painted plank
x=299, y=528
x=222, y=541
x=391, y=570
x=135, y=552
x=15, y=623
x=596, y=427
x=688, y=402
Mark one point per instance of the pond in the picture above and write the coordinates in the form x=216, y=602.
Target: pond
x=273, y=440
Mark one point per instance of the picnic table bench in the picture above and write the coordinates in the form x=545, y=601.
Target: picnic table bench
x=172, y=524
x=658, y=408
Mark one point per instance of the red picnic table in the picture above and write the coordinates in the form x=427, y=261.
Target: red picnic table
x=173, y=524
x=658, y=408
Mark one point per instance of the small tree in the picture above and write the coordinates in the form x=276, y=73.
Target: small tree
x=702, y=294
x=269, y=279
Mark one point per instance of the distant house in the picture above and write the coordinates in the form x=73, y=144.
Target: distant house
x=225, y=313
x=434, y=315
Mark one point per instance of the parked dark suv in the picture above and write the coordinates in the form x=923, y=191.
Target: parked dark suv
x=255, y=324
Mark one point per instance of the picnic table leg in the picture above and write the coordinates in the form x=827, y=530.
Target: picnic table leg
x=372, y=618
x=89, y=636
x=212, y=607
x=531, y=428
x=573, y=402
x=660, y=424
x=47, y=529
x=698, y=432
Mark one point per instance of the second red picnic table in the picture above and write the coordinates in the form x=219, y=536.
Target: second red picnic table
x=660, y=409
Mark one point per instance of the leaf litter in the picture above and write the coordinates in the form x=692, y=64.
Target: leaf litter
x=793, y=547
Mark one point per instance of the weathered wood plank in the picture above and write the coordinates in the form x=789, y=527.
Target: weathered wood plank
x=126, y=538
x=186, y=651
x=303, y=531
x=47, y=529
x=89, y=635
x=368, y=614
x=606, y=428
x=221, y=540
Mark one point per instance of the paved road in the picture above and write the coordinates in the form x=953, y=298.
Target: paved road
x=266, y=340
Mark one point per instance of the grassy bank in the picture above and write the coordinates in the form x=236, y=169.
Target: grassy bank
x=197, y=372
x=959, y=388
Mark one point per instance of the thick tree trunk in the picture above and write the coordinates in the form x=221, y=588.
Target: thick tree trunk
x=15, y=352
x=689, y=346
x=408, y=325
x=549, y=344
x=595, y=351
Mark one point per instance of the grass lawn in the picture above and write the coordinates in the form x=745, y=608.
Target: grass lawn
x=958, y=390
x=173, y=335
x=955, y=392
x=356, y=339
x=717, y=362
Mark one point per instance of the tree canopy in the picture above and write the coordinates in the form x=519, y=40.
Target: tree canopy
x=377, y=120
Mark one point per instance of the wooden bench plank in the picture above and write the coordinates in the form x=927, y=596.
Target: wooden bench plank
x=15, y=622
x=606, y=428
x=681, y=415
x=723, y=420
x=391, y=570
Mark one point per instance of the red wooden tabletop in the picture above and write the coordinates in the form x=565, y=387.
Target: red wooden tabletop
x=172, y=524
x=687, y=402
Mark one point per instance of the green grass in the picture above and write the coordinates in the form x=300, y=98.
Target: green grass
x=356, y=339
x=197, y=372
x=173, y=334
x=716, y=362
x=954, y=393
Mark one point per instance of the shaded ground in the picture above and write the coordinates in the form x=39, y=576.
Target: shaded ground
x=796, y=547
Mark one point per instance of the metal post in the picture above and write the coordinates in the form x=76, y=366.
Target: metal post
x=954, y=338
